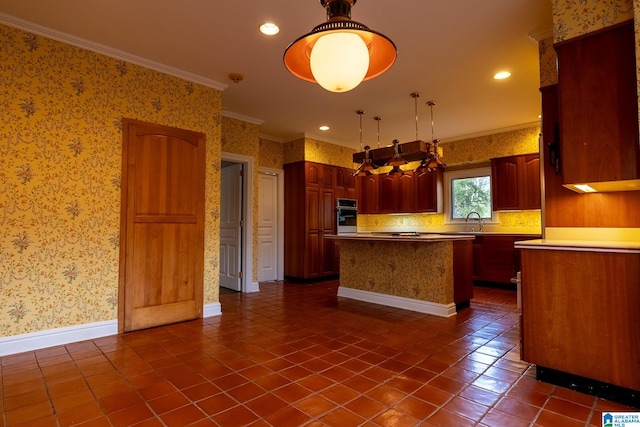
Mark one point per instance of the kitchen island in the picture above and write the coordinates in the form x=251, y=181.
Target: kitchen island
x=428, y=273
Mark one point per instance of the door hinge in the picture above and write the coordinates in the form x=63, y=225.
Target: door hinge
x=241, y=172
x=240, y=275
x=242, y=223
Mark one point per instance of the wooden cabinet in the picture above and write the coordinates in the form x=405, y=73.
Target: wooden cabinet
x=580, y=313
x=410, y=192
x=429, y=191
x=345, y=185
x=311, y=190
x=495, y=259
x=367, y=194
x=598, y=106
x=397, y=193
x=515, y=182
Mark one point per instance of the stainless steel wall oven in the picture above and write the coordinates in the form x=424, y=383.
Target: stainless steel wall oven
x=347, y=216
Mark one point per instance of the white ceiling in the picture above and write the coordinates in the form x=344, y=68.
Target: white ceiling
x=447, y=50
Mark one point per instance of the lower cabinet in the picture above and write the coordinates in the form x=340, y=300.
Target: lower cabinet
x=580, y=314
x=495, y=259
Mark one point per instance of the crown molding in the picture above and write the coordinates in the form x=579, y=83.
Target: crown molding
x=28, y=26
x=232, y=115
x=539, y=35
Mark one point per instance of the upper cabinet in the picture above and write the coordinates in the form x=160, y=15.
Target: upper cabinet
x=410, y=192
x=397, y=193
x=598, y=107
x=516, y=182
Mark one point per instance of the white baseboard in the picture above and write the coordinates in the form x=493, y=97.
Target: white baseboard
x=253, y=287
x=42, y=339
x=213, y=309
x=60, y=336
x=442, y=310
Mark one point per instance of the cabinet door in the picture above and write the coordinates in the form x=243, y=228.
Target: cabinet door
x=531, y=196
x=498, y=259
x=368, y=194
x=313, y=233
x=312, y=174
x=505, y=183
x=406, y=193
x=428, y=191
x=345, y=183
x=598, y=107
x=327, y=246
x=388, y=198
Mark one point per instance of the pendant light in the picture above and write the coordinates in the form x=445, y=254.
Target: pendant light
x=396, y=160
x=435, y=162
x=340, y=53
x=367, y=165
x=377, y=119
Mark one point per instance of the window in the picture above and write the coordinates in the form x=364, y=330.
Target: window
x=468, y=191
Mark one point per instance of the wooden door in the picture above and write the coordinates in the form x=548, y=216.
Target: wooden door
x=162, y=226
x=231, y=227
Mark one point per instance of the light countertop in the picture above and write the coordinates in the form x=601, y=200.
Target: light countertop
x=631, y=247
x=401, y=237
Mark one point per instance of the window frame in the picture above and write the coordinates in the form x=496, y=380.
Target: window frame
x=449, y=176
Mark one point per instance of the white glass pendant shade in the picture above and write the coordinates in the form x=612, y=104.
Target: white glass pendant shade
x=339, y=61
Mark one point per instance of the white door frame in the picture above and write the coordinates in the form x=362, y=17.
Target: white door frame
x=248, y=285
x=279, y=173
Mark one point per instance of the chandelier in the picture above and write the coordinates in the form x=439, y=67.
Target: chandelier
x=340, y=53
x=400, y=154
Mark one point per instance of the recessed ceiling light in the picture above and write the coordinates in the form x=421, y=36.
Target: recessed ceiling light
x=502, y=75
x=324, y=127
x=269, y=28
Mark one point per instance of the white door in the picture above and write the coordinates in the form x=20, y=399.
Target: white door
x=267, y=227
x=231, y=226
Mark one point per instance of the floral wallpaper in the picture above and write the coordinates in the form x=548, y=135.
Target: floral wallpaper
x=313, y=150
x=548, y=63
x=61, y=111
x=573, y=18
x=293, y=151
x=271, y=154
x=413, y=270
x=483, y=148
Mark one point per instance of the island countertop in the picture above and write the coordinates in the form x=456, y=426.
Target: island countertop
x=401, y=237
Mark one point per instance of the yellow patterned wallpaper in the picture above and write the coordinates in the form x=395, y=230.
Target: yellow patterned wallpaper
x=271, y=154
x=61, y=110
x=548, y=63
x=313, y=150
x=293, y=151
x=415, y=270
x=573, y=18
x=240, y=137
x=483, y=148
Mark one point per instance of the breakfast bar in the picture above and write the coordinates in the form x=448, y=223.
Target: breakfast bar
x=428, y=273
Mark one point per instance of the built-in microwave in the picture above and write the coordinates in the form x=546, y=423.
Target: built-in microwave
x=347, y=216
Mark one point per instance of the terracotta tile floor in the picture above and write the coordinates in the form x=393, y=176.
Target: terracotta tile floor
x=294, y=355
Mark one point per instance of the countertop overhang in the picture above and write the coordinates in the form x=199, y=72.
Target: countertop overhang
x=400, y=237
x=580, y=245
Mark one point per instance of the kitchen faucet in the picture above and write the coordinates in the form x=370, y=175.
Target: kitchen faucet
x=480, y=220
